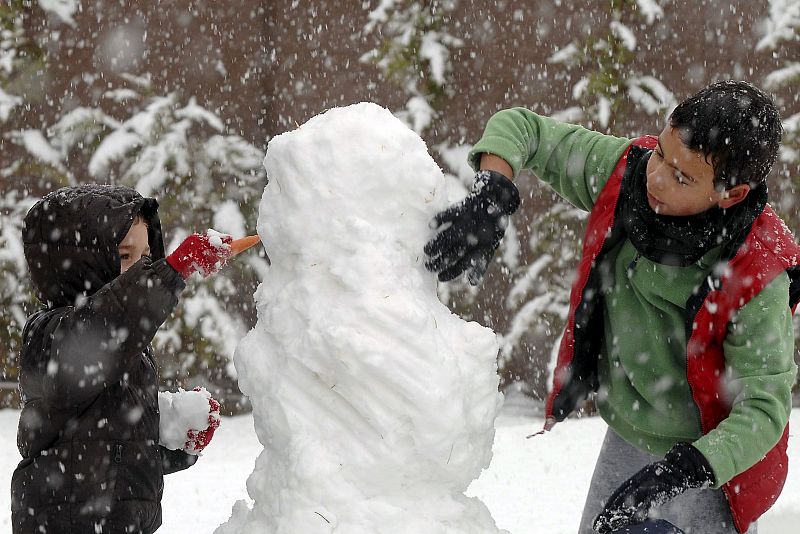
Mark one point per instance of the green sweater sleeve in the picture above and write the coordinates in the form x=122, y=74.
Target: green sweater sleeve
x=574, y=161
x=760, y=371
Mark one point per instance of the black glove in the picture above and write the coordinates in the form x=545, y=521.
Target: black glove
x=477, y=225
x=682, y=468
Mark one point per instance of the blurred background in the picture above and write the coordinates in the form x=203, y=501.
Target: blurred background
x=180, y=98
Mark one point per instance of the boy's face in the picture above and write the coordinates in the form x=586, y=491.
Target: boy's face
x=680, y=182
x=134, y=245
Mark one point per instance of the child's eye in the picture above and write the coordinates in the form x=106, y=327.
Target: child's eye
x=681, y=179
x=124, y=256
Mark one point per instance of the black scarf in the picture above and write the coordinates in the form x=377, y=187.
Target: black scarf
x=675, y=240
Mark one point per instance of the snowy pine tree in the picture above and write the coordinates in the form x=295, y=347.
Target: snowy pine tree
x=19, y=56
x=11, y=35
x=780, y=30
x=780, y=33
x=415, y=52
x=178, y=152
x=609, y=86
x=610, y=83
x=16, y=297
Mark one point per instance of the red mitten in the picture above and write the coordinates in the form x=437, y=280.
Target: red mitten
x=201, y=253
x=197, y=440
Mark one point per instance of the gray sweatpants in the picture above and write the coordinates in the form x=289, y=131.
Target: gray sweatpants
x=695, y=512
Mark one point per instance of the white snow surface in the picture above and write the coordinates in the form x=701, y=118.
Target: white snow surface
x=533, y=486
x=375, y=404
x=180, y=412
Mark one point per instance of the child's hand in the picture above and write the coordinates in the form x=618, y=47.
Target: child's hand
x=683, y=468
x=187, y=419
x=202, y=254
x=197, y=440
x=476, y=226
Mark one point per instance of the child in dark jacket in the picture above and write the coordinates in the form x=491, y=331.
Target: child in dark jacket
x=89, y=427
x=680, y=316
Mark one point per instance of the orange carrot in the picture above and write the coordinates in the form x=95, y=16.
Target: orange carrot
x=240, y=245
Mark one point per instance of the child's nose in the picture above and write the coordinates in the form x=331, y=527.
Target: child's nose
x=657, y=180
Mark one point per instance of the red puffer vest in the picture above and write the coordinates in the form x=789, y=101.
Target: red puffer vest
x=767, y=250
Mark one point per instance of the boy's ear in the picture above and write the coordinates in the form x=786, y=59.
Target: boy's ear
x=734, y=195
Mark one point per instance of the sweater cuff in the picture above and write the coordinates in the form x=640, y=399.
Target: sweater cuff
x=691, y=462
x=513, y=153
x=723, y=470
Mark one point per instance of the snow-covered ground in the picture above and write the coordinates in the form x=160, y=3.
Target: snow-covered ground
x=533, y=486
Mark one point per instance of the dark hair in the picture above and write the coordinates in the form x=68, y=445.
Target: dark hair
x=737, y=126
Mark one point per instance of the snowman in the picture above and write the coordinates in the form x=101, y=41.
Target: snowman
x=374, y=403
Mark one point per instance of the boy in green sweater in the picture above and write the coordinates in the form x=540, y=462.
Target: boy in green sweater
x=681, y=313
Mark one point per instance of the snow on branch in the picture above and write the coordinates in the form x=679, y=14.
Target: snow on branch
x=12, y=36
x=198, y=114
x=144, y=82
x=37, y=145
x=624, y=34
x=650, y=94
x=567, y=55
x=526, y=283
x=63, y=9
x=650, y=10
x=781, y=24
x=116, y=146
x=434, y=50
x=610, y=77
x=7, y=103
x=8, y=52
x=380, y=14
x=527, y=316
x=121, y=95
x=414, y=51
x=783, y=77
x=80, y=127
x=233, y=153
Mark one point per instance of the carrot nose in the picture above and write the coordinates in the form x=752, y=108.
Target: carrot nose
x=240, y=245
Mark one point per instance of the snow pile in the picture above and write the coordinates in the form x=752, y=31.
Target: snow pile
x=374, y=403
x=218, y=240
x=184, y=416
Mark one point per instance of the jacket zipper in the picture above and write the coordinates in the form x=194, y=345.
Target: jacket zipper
x=632, y=265
x=118, y=454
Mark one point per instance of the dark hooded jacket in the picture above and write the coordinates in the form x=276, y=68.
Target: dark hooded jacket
x=88, y=431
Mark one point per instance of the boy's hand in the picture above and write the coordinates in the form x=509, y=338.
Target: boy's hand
x=197, y=440
x=682, y=468
x=201, y=253
x=476, y=226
